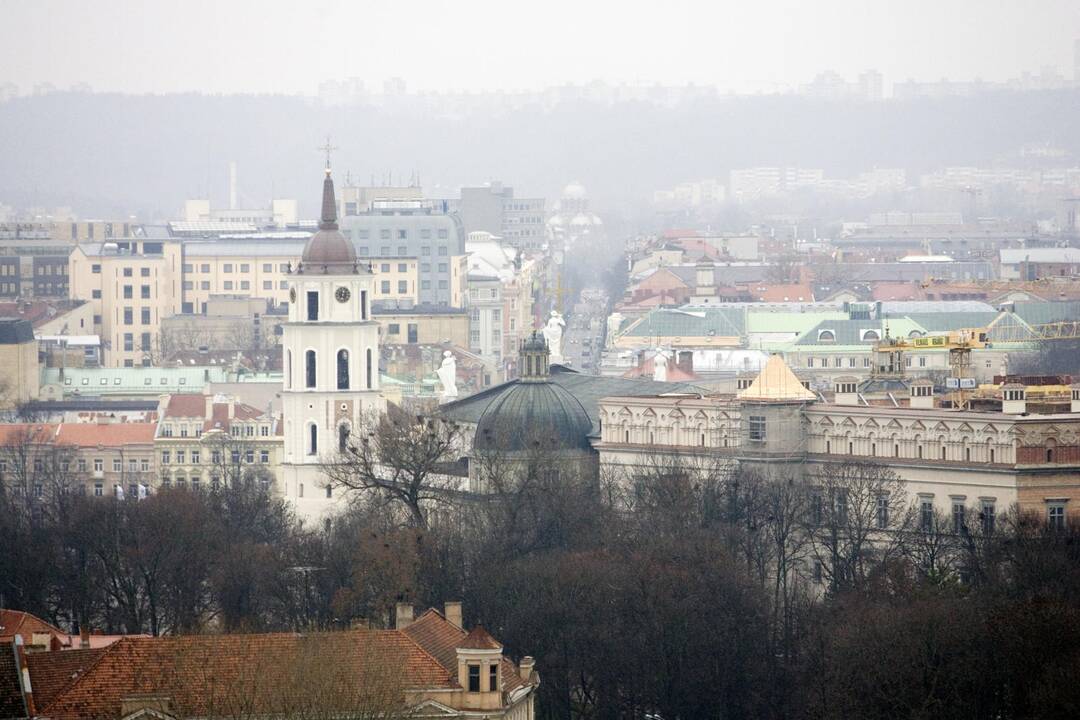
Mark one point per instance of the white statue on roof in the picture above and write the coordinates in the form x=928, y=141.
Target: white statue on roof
x=447, y=373
x=660, y=365
x=553, y=333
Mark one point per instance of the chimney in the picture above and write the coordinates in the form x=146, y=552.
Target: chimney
x=922, y=394
x=1014, y=399
x=23, y=675
x=84, y=636
x=209, y=398
x=525, y=667
x=846, y=391
x=452, y=611
x=403, y=615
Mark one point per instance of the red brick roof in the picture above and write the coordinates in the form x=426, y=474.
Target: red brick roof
x=186, y=405
x=209, y=674
x=441, y=638
x=106, y=434
x=17, y=622
x=479, y=639
x=11, y=697
x=193, y=405
x=52, y=672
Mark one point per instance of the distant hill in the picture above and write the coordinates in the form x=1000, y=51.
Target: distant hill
x=108, y=154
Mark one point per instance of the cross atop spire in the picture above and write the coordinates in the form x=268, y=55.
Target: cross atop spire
x=327, y=148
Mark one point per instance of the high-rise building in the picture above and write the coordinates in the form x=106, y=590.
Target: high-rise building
x=494, y=209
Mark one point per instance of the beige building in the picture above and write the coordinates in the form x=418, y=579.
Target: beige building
x=131, y=292
x=204, y=441
x=423, y=324
x=19, y=380
x=98, y=458
x=983, y=460
x=260, y=269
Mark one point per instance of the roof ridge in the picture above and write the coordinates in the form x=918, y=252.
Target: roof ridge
x=104, y=652
x=453, y=680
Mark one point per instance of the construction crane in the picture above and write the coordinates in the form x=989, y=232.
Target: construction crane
x=889, y=361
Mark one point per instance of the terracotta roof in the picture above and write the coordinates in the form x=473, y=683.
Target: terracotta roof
x=11, y=699
x=13, y=433
x=52, y=672
x=441, y=638
x=479, y=639
x=186, y=405
x=106, y=434
x=208, y=673
x=17, y=622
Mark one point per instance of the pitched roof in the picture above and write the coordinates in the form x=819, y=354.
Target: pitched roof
x=479, y=639
x=776, y=382
x=17, y=622
x=106, y=434
x=716, y=322
x=52, y=672
x=11, y=697
x=209, y=673
x=441, y=638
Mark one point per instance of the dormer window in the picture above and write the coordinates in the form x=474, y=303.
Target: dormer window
x=871, y=335
x=474, y=678
x=493, y=678
x=826, y=336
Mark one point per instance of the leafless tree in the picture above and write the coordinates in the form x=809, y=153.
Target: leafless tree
x=406, y=461
x=857, y=515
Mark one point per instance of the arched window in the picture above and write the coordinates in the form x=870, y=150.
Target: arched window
x=309, y=369
x=288, y=369
x=369, y=368
x=343, y=369
x=871, y=335
x=343, y=437
x=1049, y=455
x=826, y=336
x=313, y=439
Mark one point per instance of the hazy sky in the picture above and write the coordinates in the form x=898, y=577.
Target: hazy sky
x=746, y=45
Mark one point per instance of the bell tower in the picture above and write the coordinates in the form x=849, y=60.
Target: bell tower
x=330, y=358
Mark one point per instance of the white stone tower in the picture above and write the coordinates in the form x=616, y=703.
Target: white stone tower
x=330, y=356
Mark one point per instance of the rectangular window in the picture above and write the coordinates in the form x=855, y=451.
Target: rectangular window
x=882, y=514
x=180, y=456
x=95, y=294
x=402, y=287
x=144, y=292
x=117, y=465
x=204, y=268
x=196, y=457
x=129, y=342
x=204, y=285
x=268, y=267
x=442, y=251
x=268, y=284
x=384, y=267
x=228, y=284
x=144, y=342
x=384, y=287
x=227, y=268
x=402, y=267
x=958, y=516
x=144, y=272
x=244, y=267
x=393, y=329
x=99, y=489
x=245, y=284
x=757, y=428
x=96, y=269
x=493, y=675
x=1055, y=515
x=99, y=465
x=926, y=515
x=986, y=517
x=312, y=305
x=165, y=457
x=145, y=316
x=264, y=456
x=127, y=292
x=127, y=272
x=474, y=678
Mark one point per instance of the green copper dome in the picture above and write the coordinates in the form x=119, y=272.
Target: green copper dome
x=533, y=415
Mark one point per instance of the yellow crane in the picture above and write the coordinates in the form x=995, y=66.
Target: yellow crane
x=889, y=352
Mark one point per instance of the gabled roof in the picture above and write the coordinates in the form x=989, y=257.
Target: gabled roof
x=438, y=636
x=11, y=697
x=197, y=671
x=17, y=622
x=776, y=381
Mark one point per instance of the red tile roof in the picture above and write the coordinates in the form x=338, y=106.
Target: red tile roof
x=479, y=639
x=11, y=697
x=193, y=405
x=209, y=674
x=23, y=624
x=441, y=638
x=52, y=672
x=186, y=405
x=106, y=434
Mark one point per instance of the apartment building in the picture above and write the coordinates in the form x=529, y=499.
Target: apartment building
x=131, y=290
x=520, y=222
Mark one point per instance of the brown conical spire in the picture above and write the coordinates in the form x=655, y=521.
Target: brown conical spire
x=328, y=221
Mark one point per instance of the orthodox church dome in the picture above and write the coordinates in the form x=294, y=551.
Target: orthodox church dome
x=329, y=247
x=534, y=413
x=574, y=191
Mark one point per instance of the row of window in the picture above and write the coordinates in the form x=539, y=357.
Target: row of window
x=204, y=268
x=235, y=457
x=126, y=272
x=129, y=316
x=235, y=429
x=384, y=251
x=983, y=453
x=401, y=234
x=118, y=381
x=342, y=365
